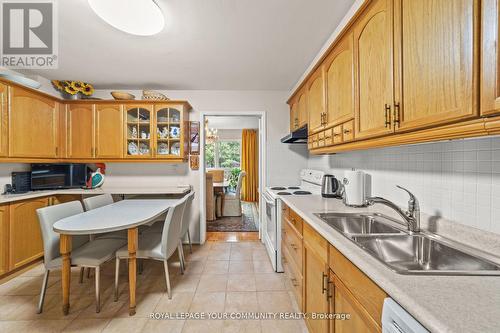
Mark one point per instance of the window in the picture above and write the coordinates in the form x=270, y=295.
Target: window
x=223, y=154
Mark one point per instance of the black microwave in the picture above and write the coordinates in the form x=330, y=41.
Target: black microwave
x=55, y=176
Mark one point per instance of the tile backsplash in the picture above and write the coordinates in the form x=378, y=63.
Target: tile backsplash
x=458, y=180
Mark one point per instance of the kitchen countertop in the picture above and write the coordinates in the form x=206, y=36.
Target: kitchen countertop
x=180, y=189
x=440, y=303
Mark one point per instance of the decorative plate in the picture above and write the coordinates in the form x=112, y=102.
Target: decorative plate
x=174, y=132
x=154, y=95
x=132, y=148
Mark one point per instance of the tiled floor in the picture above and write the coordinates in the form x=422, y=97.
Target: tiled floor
x=220, y=278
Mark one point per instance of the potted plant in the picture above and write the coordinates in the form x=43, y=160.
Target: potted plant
x=73, y=89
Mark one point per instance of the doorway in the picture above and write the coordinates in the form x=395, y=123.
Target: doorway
x=232, y=175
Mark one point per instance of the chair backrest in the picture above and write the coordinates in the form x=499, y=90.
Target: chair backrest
x=186, y=215
x=172, y=228
x=47, y=216
x=209, y=197
x=240, y=182
x=98, y=201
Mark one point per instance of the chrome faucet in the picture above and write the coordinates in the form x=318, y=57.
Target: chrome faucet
x=411, y=216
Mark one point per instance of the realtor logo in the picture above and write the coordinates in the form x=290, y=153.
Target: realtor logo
x=29, y=38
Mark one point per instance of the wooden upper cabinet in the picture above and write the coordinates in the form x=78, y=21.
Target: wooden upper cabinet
x=25, y=236
x=339, y=76
x=33, y=125
x=4, y=107
x=436, y=64
x=302, y=109
x=108, y=131
x=315, y=93
x=373, y=54
x=80, y=133
x=490, y=58
x=294, y=114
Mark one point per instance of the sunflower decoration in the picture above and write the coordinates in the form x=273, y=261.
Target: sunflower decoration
x=73, y=87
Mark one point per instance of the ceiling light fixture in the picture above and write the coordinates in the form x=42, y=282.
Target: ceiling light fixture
x=136, y=17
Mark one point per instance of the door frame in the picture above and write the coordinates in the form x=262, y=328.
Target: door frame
x=261, y=115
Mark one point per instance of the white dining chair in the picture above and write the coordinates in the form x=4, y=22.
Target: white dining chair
x=158, y=246
x=186, y=222
x=83, y=254
x=232, y=202
x=99, y=201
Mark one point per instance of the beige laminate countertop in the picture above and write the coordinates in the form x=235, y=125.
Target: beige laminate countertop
x=179, y=190
x=440, y=303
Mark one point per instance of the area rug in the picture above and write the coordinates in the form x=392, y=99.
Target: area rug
x=246, y=222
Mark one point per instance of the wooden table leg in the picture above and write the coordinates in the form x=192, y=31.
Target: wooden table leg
x=65, y=248
x=132, y=267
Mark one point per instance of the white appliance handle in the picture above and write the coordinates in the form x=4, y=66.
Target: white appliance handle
x=269, y=200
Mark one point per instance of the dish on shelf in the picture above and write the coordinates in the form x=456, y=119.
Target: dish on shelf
x=163, y=148
x=175, y=149
x=21, y=80
x=121, y=95
x=132, y=148
x=154, y=95
x=143, y=149
x=175, y=132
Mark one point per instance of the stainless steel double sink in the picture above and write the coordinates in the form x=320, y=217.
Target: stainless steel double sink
x=404, y=253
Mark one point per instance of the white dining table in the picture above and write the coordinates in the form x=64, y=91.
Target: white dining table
x=121, y=215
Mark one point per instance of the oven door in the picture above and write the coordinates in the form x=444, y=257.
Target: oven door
x=271, y=230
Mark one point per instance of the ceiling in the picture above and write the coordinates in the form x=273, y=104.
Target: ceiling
x=213, y=45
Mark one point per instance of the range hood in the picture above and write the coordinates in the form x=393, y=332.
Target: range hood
x=297, y=136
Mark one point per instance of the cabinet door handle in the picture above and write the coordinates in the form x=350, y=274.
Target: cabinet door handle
x=396, y=115
x=323, y=284
x=294, y=282
x=387, y=115
x=329, y=293
x=347, y=131
x=325, y=118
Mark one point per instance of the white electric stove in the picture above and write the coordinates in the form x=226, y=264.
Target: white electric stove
x=310, y=183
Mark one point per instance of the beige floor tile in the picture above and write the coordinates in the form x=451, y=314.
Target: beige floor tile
x=194, y=267
x=212, y=283
x=219, y=254
x=282, y=326
x=241, y=254
x=217, y=246
x=146, y=303
x=242, y=326
x=52, y=308
x=241, y=282
x=47, y=326
x=163, y=326
x=37, y=270
x=241, y=267
x=260, y=254
x=203, y=326
x=246, y=245
x=15, y=326
x=186, y=282
x=208, y=302
x=274, y=301
x=270, y=281
x=216, y=267
x=262, y=266
x=180, y=302
x=241, y=301
x=122, y=325
x=87, y=325
x=109, y=308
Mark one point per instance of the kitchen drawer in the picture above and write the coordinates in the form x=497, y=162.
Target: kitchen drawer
x=296, y=221
x=315, y=242
x=321, y=139
x=348, y=131
x=329, y=137
x=293, y=241
x=294, y=278
x=337, y=134
x=361, y=286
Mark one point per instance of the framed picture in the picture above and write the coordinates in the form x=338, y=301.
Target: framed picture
x=194, y=137
x=194, y=162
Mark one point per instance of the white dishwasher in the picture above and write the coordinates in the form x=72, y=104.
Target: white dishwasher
x=395, y=319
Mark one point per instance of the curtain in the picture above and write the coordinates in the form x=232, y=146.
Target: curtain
x=250, y=164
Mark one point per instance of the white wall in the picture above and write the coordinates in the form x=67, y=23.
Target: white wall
x=458, y=180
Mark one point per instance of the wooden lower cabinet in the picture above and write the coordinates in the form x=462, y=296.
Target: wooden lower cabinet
x=4, y=239
x=25, y=238
x=62, y=198
x=324, y=281
x=345, y=302
x=315, y=279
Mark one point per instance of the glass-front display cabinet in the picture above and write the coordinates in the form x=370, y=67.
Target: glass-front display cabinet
x=171, y=131
x=139, y=140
